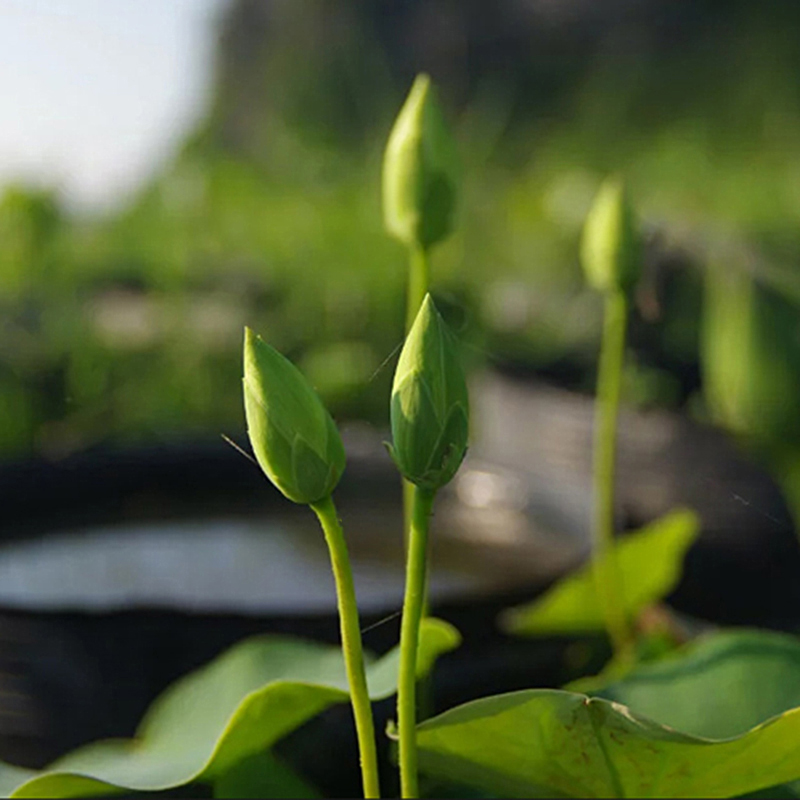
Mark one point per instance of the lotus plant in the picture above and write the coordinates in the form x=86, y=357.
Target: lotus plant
x=420, y=185
x=299, y=449
x=430, y=422
x=611, y=260
x=420, y=190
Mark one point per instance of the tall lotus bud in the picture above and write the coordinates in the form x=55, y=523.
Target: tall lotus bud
x=430, y=405
x=611, y=245
x=420, y=171
x=293, y=436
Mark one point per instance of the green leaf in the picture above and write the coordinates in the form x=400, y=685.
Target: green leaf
x=650, y=562
x=262, y=775
x=691, y=690
x=552, y=743
x=213, y=719
x=11, y=777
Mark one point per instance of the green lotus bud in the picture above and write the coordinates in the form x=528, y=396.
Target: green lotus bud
x=293, y=436
x=611, y=246
x=430, y=406
x=420, y=169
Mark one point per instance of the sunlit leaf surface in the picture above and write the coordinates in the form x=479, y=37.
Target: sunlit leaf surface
x=552, y=743
x=650, y=562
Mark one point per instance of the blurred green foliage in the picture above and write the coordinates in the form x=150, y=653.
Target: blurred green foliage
x=128, y=326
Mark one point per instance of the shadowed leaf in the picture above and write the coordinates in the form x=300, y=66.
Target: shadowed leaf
x=211, y=720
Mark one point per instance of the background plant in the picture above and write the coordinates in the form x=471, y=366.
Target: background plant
x=611, y=257
x=712, y=162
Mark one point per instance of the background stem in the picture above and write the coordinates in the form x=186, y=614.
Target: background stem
x=409, y=639
x=608, y=577
x=351, y=644
x=419, y=278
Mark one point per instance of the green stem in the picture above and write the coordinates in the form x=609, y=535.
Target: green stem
x=419, y=278
x=351, y=644
x=608, y=578
x=408, y=503
x=409, y=639
x=419, y=275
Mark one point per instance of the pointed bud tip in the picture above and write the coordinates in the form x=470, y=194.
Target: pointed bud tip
x=428, y=318
x=251, y=339
x=421, y=93
x=427, y=307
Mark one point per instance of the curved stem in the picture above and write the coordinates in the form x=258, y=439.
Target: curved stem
x=351, y=644
x=608, y=578
x=409, y=639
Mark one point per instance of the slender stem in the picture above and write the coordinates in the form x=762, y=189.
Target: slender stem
x=419, y=278
x=608, y=578
x=409, y=639
x=408, y=502
x=351, y=644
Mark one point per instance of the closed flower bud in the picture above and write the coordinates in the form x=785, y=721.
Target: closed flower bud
x=430, y=406
x=293, y=436
x=611, y=247
x=420, y=170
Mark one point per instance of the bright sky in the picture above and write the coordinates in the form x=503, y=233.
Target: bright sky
x=94, y=94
